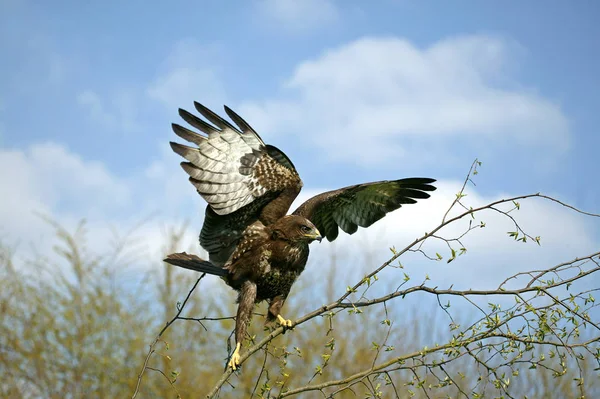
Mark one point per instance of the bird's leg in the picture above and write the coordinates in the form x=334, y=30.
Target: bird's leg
x=274, y=308
x=246, y=301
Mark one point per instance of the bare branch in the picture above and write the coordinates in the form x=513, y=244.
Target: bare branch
x=159, y=336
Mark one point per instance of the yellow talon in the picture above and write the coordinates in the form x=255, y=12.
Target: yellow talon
x=283, y=322
x=234, y=362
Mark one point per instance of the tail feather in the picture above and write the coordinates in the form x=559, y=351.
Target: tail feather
x=192, y=262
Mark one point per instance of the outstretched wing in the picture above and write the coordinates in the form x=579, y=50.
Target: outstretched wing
x=362, y=204
x=231, y=168
x=242, y=178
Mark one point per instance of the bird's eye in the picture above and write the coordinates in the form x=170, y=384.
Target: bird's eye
x=305, y=228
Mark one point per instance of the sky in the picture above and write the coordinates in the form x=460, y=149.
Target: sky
x=351, y=91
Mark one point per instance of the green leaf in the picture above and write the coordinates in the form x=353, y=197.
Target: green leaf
x=453, y=255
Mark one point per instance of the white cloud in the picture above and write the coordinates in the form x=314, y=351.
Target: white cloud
x=492, y=255
x=46, y=70
x=299, y=16
x=48, y=180
x=2, y=127
x=51, y=172
x=118, y=113
x=383, y=99
x=183, y=86
x=95, y=106
x=188, y=72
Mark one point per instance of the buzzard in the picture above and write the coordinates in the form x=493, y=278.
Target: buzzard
x=253, y=245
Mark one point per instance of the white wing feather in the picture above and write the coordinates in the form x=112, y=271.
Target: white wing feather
x=221, y=166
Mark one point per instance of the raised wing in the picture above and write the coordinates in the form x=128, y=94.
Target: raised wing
x=231, y=168
x=242, y=178
x=362, y=204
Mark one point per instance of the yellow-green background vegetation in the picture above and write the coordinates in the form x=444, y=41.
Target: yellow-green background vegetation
x=73, y=328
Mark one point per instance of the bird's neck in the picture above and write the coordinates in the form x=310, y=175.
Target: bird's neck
x=293, y=253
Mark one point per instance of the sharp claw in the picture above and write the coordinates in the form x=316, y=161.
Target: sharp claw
x=283, y=322
x=234, y=362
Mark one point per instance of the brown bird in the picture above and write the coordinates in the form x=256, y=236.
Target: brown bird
x=249, y=187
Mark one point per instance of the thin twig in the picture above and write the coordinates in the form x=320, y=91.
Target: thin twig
x=158, y=337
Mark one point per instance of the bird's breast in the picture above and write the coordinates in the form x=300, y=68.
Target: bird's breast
x=291, y=257
x=276, y=282
x=285, y=264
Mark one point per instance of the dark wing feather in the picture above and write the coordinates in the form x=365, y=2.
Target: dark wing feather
x=242, y=178
x=221, y=234
x=362, y=204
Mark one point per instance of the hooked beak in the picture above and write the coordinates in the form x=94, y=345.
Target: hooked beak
x=314, y=235
x=317, y=235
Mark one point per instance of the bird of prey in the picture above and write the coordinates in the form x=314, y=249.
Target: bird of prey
x=249, y=186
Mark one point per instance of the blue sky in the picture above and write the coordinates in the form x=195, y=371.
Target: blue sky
x=351, y=91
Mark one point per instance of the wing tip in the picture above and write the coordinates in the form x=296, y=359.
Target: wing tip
x=189, y=168
x=418, y=183
x=200, y=107
x=180, y=148
x=187, y=134
x=214, y=117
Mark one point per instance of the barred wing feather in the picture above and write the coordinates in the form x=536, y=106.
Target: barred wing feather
x=230, y=167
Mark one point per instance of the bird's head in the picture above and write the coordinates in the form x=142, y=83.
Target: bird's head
x=296, y=228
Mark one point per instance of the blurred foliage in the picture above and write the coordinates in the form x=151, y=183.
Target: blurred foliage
x=73, y=327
